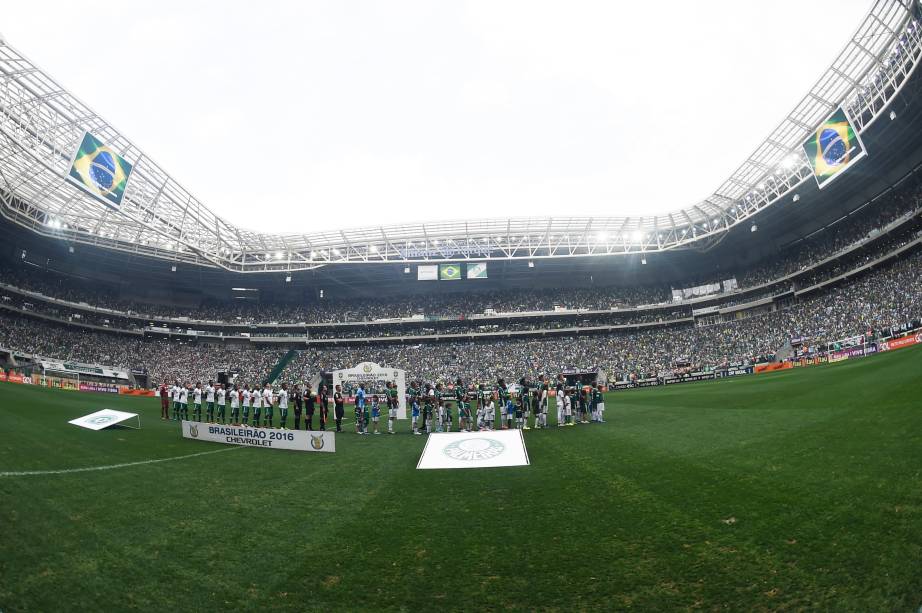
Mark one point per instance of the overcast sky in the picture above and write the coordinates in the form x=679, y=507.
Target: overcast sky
x=302, y=116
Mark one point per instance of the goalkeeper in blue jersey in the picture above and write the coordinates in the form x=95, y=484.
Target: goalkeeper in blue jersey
x=360, y=426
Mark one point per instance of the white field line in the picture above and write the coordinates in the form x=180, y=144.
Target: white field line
x=67, y=471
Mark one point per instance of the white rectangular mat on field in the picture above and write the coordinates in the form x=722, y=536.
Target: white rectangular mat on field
x=474, y=450
x=270, y=438
x=104, y=419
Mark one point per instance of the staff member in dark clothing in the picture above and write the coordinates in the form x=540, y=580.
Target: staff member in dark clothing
x=338, y=408
x=298, y=404
x=323, y=399
x=309, y=409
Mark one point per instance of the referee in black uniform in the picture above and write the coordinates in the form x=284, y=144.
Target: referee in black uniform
x=309, y=408
x=338, y=408
x=298, y=405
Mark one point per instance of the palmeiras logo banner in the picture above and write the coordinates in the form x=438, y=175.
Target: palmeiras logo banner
x=477, y=270
x=449, y=272
x=833, y=147
x=100, y=171
x=474, y=450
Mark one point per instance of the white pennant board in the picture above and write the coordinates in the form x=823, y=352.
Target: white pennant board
x=474, y=450
x=103, y=419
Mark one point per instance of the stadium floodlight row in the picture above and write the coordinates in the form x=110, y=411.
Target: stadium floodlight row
x=41, y=125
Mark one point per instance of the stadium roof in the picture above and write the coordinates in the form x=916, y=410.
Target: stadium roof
x=42, y=124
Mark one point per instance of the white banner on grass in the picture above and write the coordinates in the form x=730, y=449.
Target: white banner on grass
x=103, y=419
x=474, y=450
x=270, y=438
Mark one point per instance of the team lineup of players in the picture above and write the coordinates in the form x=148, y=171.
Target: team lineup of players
x=430, y=405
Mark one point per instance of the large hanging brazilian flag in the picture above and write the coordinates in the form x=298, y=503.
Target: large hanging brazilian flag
x=99, y=170
x=833, y=147
x=449, y=272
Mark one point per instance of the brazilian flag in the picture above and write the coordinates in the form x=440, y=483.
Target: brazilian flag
x=449, y=272
x=833, y=147
x=100, y=170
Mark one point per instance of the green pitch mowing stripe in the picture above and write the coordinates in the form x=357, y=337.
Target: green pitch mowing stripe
x=795, y=490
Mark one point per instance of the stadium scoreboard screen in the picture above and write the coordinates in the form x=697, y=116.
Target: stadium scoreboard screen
x=99, y=170
x=833, y=148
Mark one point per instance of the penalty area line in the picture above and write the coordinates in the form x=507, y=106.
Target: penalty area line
x=67, y=471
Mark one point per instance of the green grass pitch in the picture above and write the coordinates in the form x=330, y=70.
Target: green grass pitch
x=795, y=490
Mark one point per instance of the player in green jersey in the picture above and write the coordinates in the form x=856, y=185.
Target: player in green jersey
x=428, y=407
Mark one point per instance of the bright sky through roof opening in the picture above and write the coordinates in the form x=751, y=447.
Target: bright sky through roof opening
x=307, y=116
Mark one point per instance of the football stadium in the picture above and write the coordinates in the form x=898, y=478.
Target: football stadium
x=715, y=407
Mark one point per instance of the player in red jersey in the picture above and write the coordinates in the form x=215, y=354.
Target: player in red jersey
x=164, y=394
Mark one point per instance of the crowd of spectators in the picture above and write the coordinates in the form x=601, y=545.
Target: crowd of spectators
x=164, y=360
x=888, y=296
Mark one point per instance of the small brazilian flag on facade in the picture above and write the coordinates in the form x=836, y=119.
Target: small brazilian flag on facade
x=833, y=147
x=99, y=170
x=449, y=272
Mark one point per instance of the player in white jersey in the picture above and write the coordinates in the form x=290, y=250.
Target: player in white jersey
x=561, y=408
x=209, y=401
x=391, y=412
x=267, y=406
x=184, y=402
x=174, y=393
x=234, y=394
x=257, y=397
x=247, y=398
x=220, y=395
x=489, y=412
x=283, y=406
x=197, y=399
